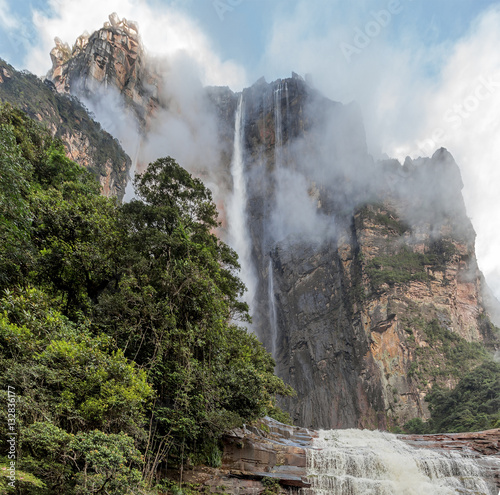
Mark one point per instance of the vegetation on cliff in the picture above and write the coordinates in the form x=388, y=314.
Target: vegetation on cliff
x=473, y=405
x=414, y=272
x=67, y=118
x=118, y=324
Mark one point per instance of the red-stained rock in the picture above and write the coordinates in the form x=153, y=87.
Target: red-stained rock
x=266, y=449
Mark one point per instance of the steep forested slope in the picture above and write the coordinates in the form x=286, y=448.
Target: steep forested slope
x=84, y=139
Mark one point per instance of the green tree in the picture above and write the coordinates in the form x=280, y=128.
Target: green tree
x=174, y=310
x=15, y=247
x=474, y=404
x=119, y=325
x=67, y=381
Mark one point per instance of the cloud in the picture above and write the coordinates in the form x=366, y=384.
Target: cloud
x=179, y=50
x=461, y=114
x=7, y=20
x=164, y=30
x=415, y=95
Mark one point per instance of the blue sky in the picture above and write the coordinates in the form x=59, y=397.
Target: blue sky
x=424, y=73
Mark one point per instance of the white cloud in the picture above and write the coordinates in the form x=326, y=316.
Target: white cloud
x=7, y=20
x=408, y=91
x=164, y=31
x=462, y=114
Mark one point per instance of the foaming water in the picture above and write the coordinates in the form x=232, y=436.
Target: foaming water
x=362, y=462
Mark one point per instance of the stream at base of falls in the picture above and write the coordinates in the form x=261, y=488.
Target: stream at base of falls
x=362, y=462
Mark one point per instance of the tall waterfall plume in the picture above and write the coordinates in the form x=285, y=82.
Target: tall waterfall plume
x=278, y=126
x=239, y=236
x=129, y=189
x=358, y=462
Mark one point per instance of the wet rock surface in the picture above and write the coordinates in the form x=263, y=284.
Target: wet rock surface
x=268, y=449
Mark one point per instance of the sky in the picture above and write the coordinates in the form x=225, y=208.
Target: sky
x=425, y=73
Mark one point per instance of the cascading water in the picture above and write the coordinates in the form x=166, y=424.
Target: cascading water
x=129, y=189
x=278, y=127
x=287, y=114
x=239, y=237
x=273, y=316
x=361, y=462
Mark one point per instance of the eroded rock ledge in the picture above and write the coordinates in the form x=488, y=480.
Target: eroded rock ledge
x=268, y=449
x=482, y=445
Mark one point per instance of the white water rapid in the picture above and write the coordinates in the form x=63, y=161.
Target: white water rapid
x=362, y=462
x=239, y=237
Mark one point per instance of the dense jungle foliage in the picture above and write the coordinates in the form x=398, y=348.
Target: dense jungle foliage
x=473, y=405
x=118, y=324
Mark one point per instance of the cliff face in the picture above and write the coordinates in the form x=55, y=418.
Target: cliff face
x=363, y=276
x=374, y=295
x=85, y=142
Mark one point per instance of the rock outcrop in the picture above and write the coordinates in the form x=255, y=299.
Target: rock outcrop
x=375, y=288
x=483, y=446
x=112, y=57
x=266, y=450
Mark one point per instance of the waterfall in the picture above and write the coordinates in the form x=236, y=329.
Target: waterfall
x=129, y=189
x=278, y=126
x=273, y=316
x=239, y=237
x=287, y=114
x=360, y=462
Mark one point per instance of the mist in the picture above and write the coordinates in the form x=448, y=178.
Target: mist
x=414, y=99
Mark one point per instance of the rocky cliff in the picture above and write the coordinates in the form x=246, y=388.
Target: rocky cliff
x=85, y=141
x=368, y=290
x=362, y=274
x=112, y=57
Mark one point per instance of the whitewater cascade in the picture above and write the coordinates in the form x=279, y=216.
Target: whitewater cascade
x=273, y=316
x=361, y=462
x=239, y=237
